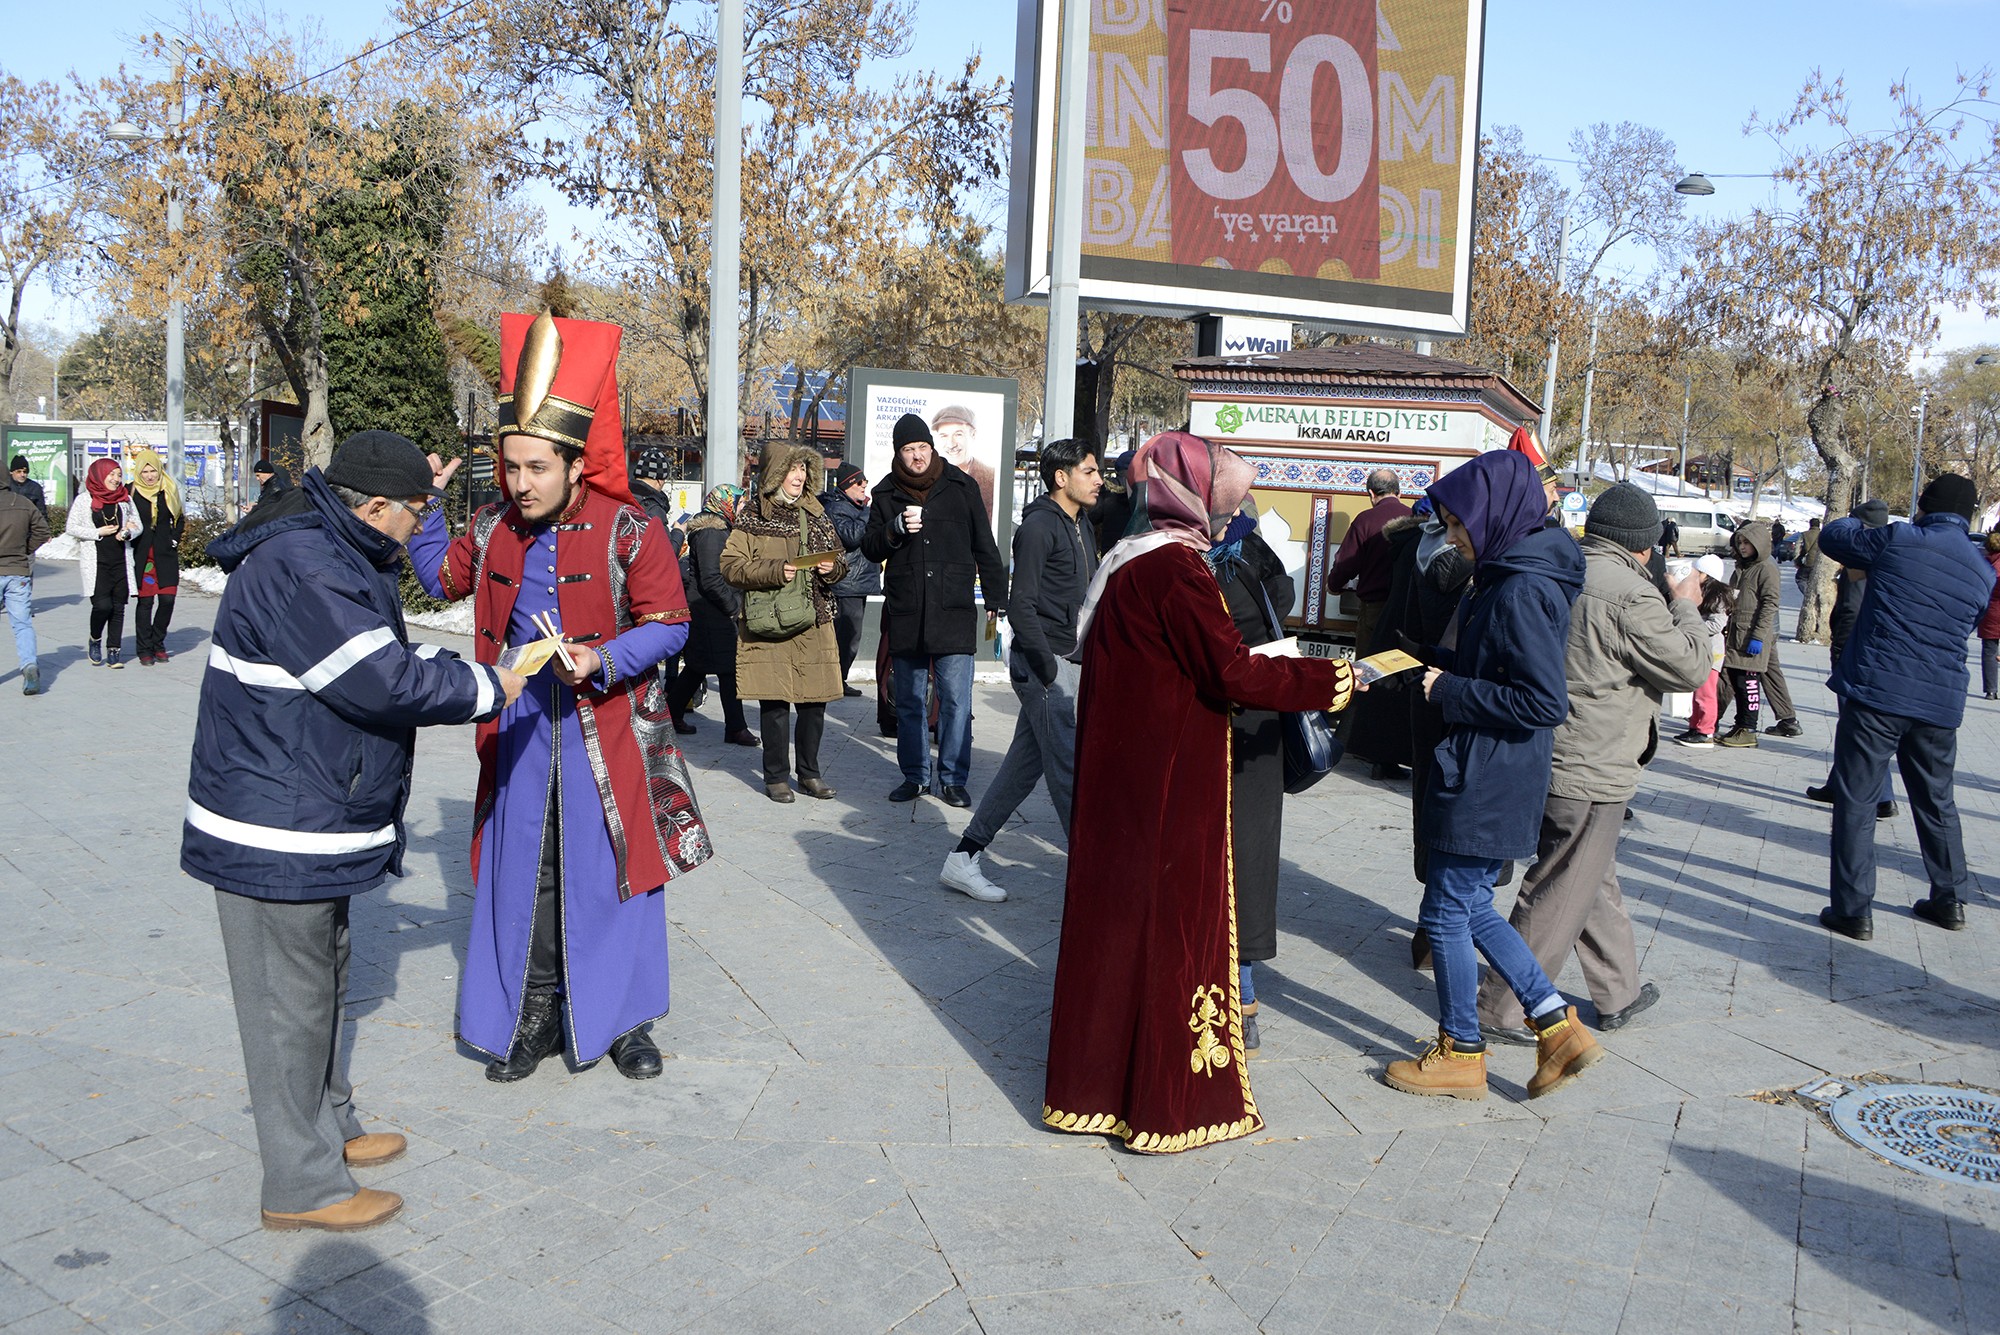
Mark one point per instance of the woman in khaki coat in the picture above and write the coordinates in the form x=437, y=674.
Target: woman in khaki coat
x=801, y=672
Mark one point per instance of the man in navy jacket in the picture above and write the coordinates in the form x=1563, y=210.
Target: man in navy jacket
x=302, y=755
x=1902, y=681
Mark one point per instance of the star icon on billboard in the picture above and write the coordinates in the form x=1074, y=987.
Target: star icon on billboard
x=1228, y=419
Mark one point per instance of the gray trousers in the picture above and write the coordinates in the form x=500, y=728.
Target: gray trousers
x=288, y=972
x=1777, y=695
x=1044, y=748
x=1569, y=901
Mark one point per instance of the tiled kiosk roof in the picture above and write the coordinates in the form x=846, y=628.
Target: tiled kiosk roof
x=1315, y=372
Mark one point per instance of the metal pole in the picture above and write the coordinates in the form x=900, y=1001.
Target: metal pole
x=1589, y=383
x=1555, y=338
x=1687, y=402
x=177, y=308
x=1066, y=227
x=1917, y=459
x=725, y=250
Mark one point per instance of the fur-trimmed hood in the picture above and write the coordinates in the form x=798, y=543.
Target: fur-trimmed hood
x=779, y=461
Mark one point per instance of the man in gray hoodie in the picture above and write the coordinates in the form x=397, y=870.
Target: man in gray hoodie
x=1627, y=647
x=1055, y=556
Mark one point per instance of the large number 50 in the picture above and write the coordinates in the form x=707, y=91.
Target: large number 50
x=1290, y=129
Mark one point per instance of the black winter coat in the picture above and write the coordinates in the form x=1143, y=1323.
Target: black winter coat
x=713, y=601
x=927, y=577
x=159, y=541
x=1054, y=558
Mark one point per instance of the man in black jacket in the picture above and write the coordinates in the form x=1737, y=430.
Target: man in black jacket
x=929, y=529
x=846, y=506
x=1055, y=555
x=21, y=484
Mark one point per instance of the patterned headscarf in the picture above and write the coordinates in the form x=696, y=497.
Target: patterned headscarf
x=1192, y=486
x=136, y=458
x=723, y=501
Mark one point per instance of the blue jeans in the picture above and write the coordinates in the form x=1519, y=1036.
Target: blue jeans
x=17, y=591
x=1927, y=755
x=912, y=676
x=1458, y=914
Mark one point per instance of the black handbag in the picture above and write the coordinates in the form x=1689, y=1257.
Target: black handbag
x=1312, y=747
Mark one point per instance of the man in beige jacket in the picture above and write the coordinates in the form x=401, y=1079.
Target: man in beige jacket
x=1627, y=647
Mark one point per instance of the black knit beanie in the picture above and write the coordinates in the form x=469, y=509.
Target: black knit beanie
x=911, y=427
x=1950, y=494
x=1627, y=516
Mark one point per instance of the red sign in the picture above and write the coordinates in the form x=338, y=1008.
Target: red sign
x=1273, y=135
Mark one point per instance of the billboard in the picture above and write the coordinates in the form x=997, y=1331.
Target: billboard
x=971, y=420
x=1308, y=159
x=47, y=451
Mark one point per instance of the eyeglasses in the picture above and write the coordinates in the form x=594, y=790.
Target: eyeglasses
x=416, y=512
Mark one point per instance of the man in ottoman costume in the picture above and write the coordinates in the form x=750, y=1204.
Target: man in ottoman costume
x=570, y=841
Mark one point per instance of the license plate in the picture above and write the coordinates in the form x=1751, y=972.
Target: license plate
x=1324, y=649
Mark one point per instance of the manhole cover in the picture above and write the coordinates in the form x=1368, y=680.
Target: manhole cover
x=1931, y=1129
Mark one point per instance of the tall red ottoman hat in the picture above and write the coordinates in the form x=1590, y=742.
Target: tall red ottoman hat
x=559, y=381
x=1523, y=442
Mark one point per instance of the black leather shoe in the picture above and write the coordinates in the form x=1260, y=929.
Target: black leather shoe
x=684, y=728
x=1885, y=811
x=541, y=1036
x=1388, y=773
x=815, y=788
x=1823, y=794
x=1523, y=1037
x=1859, y=929
x=1946, y=913
x=1618, y=1019
x=1785, y=728
x=635, y=1056
x=906, y=792
x=851, y=692
x=955, y=796
x=778, y=792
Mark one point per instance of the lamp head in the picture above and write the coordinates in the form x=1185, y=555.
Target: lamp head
x=1694, y=183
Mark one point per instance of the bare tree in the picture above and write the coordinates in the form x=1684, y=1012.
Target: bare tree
x=1885, y=229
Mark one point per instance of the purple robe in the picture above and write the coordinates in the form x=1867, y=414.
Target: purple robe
x=614, y=953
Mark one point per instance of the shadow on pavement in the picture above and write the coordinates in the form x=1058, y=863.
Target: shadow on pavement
x=370, y=1295
x=1895, y=1247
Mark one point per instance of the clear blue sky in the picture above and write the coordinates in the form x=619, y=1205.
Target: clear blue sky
x=1695, y=69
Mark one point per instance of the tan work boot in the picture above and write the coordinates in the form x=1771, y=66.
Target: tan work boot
x=1446, y=1067
x=364, y=1209
x=374, y=1149
x=1564, y=1049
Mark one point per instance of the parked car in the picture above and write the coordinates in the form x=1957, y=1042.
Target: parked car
x=1704, y=526
x=1786, y=549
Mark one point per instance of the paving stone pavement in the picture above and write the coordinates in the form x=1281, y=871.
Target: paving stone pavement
x=846, y=1137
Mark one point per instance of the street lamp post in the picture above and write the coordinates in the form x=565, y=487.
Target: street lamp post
x=1917, y=457
x=125, y=132
x=1555, y=336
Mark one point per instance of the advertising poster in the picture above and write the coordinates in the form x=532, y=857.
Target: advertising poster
x=972, y=425
x=1302, y=158
x=47, y=451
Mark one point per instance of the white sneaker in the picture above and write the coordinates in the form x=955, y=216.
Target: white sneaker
x=961, y=872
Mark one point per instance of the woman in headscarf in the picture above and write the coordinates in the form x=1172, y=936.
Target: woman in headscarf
x=156, y=553
x=1502, y=691
x=104, y=522
x=713, y=605
x=801, y=671
x=1146, y=1033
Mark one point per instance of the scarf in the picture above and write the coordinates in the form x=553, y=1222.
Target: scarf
x=773, y=517
x=138, y=457
x=722, y=502
x=919, y=484
x=1191, y=485
x=97, y=481
x=1498, y=498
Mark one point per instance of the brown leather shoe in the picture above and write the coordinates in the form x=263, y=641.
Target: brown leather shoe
x=1444, y=1068
x=815, y=788
x=375, y=1148
x=1564, y=1049
x=364, y=1209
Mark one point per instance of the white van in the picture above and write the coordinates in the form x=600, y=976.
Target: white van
x=1705, y=527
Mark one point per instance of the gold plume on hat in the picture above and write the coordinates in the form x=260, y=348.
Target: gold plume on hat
x=541, y=355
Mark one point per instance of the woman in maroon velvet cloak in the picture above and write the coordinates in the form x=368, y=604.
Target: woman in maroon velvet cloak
x=1146, y=1036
